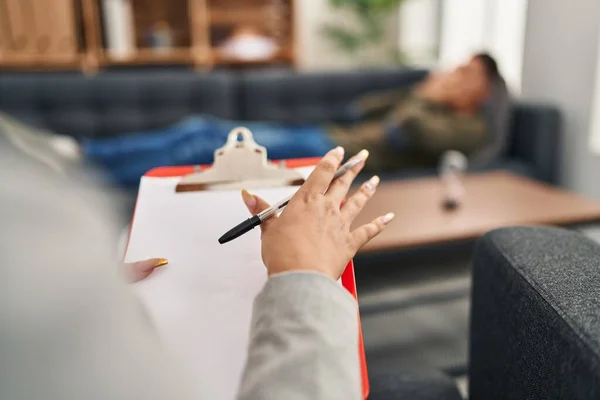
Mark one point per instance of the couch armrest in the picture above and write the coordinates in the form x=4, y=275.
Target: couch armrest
x=535, y=323
x=536, y=138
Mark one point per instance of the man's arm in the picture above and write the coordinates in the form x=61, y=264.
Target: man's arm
x=375, y=105
x=303, y=341
x=435, y=134
x=433, y=130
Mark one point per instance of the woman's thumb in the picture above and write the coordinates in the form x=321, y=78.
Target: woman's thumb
x=254, y=203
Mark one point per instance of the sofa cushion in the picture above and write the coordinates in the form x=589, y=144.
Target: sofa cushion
x=289, y=97
x=114, y=102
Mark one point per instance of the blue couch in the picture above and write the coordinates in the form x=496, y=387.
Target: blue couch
x=115, y=102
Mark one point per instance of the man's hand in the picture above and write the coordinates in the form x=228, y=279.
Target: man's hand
x=441, y=88
x=136, y=271
x=313, y=232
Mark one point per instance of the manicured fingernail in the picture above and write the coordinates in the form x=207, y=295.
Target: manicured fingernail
x=387, y=218
x=339, y=151
x=160, y=262
x=363, y=154
x=372, y=183
x=249, y=199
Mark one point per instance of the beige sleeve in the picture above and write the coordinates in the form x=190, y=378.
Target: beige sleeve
x=70, y=328
x=303, y=341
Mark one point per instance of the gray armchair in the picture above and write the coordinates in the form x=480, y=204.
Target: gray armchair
x=535, y=322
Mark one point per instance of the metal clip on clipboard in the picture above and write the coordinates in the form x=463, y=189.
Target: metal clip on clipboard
x=240, y=163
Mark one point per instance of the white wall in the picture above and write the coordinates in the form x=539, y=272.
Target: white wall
x=559, y=67
x=498, y=26
x=595, y=118
x=419, y=30
x=464, y=26
x=316, y=53
x=463, y=30
x=506, y=37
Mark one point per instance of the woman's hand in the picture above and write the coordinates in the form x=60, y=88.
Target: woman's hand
x=313, y=232
x=136, y=271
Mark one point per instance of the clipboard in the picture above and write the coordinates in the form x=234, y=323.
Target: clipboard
x=236, y=166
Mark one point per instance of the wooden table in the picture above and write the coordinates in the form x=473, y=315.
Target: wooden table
x=492, y=200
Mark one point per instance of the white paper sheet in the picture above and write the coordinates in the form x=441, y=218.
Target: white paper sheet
x=201, y=302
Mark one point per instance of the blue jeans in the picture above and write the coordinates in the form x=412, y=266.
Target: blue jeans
x=193, y=141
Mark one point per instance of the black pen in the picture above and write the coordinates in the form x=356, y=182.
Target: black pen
x=257, y=219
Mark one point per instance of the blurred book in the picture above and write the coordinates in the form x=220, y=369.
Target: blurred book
x=3, y=34
x=55, y=28
x=119, y=27
x=21, y=29
x=160, y=37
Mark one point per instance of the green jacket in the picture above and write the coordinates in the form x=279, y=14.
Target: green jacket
x=430, y=130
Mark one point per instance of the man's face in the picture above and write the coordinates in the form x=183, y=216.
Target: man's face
x=473, y=80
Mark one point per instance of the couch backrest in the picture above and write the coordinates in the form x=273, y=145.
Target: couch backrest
x=290, y=97
x=114, y=102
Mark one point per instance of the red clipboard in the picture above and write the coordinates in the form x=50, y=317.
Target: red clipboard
x=348, y=277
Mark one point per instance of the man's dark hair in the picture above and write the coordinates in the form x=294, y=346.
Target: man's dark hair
x=490, y=65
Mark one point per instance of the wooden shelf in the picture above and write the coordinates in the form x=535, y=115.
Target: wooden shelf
x=150, y=56
x=283, y=55
x=233, y=17
x=196, y=26
x=35, y=61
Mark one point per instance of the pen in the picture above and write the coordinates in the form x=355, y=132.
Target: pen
x=257, y=219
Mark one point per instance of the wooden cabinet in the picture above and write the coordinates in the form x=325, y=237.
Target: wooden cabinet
x=73, y=33
x=39, y=32
x=271, y=18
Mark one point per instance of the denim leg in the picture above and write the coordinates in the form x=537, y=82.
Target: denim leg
x=194, y=141
x=285, y=142
x=282, y=141
x=114, y=149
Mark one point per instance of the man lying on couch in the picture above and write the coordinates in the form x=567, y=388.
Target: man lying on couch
x=401, y=128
